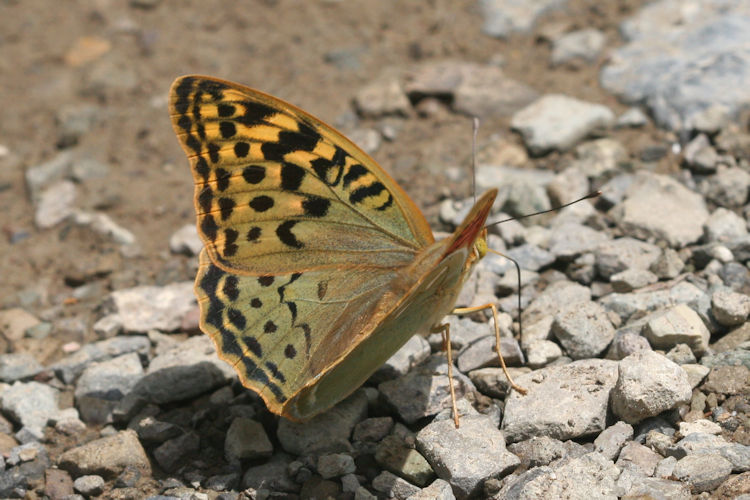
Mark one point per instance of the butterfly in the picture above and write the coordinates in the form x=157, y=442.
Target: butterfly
x=316, y=265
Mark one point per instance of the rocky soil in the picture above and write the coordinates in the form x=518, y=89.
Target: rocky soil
x=635, y=340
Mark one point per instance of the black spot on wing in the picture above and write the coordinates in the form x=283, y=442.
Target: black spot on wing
x=289, y=351
x=241, y=149
x=291, y=176
x=284, y=232
x=253, y=344
x=236, y=318
x=222, y=178
x=213, y=152
x=261, y=203
x=316, y=206
x=209, y=227
x=230, y=288
x=255, y=113
x=265, y=280
x=275, y=371
x=230, y=242
x=205, y=199
x=253, y=174
x=253, y=234
x=183, y=91
x=225, y=110
x=226, y=206
x=269, y=327
x=227, y=129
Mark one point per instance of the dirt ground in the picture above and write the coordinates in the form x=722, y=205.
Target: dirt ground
x=288, y=48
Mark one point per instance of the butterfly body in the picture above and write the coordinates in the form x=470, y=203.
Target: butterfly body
x=317, y=267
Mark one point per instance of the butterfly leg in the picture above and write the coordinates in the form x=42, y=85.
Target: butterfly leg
x=467, y=310
x=445, y=329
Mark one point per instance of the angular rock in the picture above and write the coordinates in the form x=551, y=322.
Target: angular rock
x=145, y=308
x=393, y=454
x=612, y=439
x=658, y=207
x=677, y=325
x=31, y=404
x=583, y=329
x=648, y=384
x=581, y=392
x=467, y=456
x=559, y=122
x=702, y=472
x=107, y=457
x=328, y=432
x=585, y=44
x=103, y=384
x=246, y=439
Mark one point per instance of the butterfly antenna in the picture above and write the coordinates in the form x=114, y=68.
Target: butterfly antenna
x=475, y=130
x=588, y=196
x=518, y=283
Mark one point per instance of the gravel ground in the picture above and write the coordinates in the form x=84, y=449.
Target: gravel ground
x=635, y=346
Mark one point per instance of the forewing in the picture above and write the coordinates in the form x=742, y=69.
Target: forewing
x=278, y=191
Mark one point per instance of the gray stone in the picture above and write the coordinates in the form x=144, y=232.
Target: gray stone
x=571, y=239
x=55, y=204
x=107, y=457
x=325, y=433
x=335, y=465
x=730, y=308
x=91, y=485
x=393, y=486
x=679, y=65
x=540, y=353
x=696, y=373
x=70, y=367
x=415, y=351
x=580, y=391
x=658, y=207
x=724, y=225
x=102, y=384
x=677, y=325
x=505, y=17
x=424, y=391
x=486, y=91
x=585, y=44
x=438, y=490
x=246, y=439
x=728, y=379
x=271, y=476
x=626, y=343
x=493, y=382
x=623, y=254
x=398, y=456
x=17, y=366
x=632, y=279
x=648, y=384
x=151, y=430
x=583, y=329
x=372, y=429
x=599, y=156
x=701, y=443
x=531, y=257
x=481, y=353
x=31, y=404
x=681, y=354
x=383, y=96
x=636, y=485
x=642, y=458
x=541, y=450
x=611, y=440
x=632, y=118
x=627, y=304
x=700, y=156
x=185, y=371
x=699, y=426
x=669, y=264
x=170, y=454
x=145, y=308
x=730, y=185
x=186, y=241
x=85, y=169
x=588, y=476
x=467, y=456
x=702, y=472
x=102, y=224
x=558, y=122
